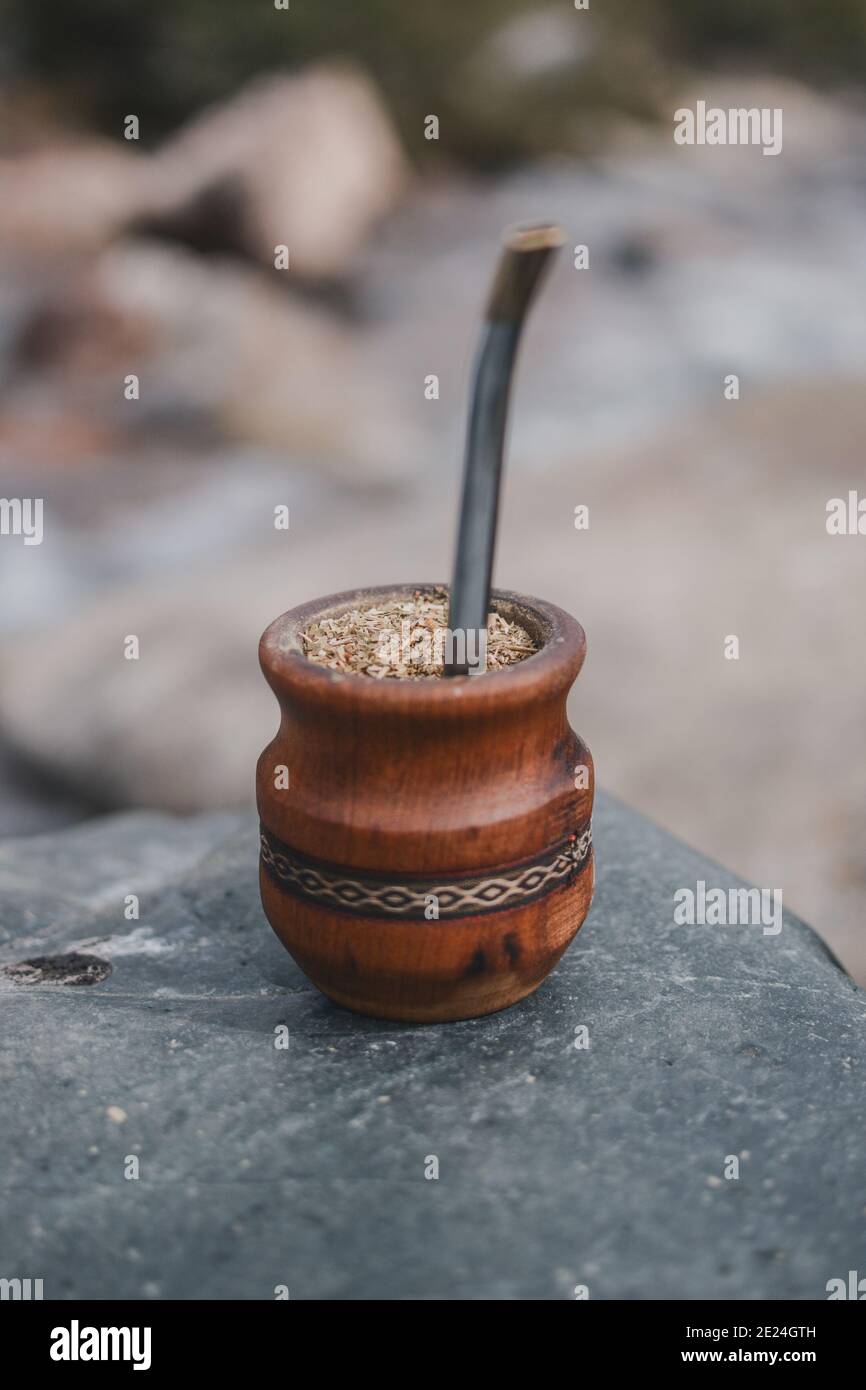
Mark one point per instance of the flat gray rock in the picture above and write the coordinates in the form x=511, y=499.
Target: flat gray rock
x=305, y=1167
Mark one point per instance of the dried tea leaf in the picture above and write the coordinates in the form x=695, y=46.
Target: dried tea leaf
x=403, y=639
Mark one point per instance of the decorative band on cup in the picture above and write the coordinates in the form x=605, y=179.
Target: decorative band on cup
x=325, y=885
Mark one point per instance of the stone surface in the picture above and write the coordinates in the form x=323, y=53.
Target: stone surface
x=305, y=1167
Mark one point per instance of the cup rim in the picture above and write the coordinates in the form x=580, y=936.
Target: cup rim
x=552, y=668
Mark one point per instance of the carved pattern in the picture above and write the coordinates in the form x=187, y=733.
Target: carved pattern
x=466, y=897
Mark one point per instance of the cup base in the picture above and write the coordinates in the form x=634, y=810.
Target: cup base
x=427, y=1013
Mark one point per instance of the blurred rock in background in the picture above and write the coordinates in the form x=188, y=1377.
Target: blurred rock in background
x=305, y=388
x=244, y=178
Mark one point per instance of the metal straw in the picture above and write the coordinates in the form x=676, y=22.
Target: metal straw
x=518, y=275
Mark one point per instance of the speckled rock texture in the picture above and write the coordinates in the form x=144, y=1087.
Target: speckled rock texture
x=305, y=1167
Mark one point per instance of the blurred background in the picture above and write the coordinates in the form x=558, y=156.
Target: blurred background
x=258, y=387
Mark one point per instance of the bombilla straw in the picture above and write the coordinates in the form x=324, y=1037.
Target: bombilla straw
x=518, y=275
